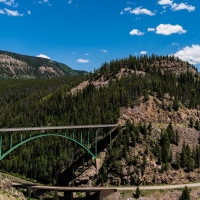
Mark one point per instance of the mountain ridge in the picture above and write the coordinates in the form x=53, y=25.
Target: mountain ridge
x=13, y=65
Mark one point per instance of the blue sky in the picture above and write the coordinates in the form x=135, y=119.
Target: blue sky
x=85, y=33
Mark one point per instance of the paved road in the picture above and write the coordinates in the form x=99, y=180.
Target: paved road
x=57, y=127
x=160, y=187
x=82, y=189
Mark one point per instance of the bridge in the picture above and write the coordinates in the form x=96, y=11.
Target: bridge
x=38, y=132
x=99, y=192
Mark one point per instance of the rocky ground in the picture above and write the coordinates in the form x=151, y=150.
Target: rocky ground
x=157, y=195
x=7, y=192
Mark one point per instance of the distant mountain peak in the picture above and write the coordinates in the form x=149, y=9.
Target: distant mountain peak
x=14, y=65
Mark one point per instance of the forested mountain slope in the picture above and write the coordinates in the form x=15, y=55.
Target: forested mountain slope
x=158, y=97
x=14, y=65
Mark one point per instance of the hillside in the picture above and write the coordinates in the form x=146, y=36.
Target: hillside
x=158, y=97
x=7, y=192
x=14, y=65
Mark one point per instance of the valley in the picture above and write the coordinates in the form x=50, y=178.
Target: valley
x=156, y=97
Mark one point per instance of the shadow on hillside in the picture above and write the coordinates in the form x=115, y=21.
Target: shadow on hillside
x=84, y=160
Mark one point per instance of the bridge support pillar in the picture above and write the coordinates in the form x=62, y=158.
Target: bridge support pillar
x=87, y=195
x=68, y=195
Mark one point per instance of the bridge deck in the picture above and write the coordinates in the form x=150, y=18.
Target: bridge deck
x=57, y=127
x=59, y=188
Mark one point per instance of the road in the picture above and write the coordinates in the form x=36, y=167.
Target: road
x=160, y=187
x=82, y=189
x=57, y=127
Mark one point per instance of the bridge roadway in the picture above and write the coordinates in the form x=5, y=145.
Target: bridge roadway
x=96, y=189
x=101, y=192
x=58, y=127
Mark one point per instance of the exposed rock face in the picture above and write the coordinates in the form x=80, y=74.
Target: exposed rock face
x=12, y=66
x=173, y=66
x=154, y=111
x=114, y=196
x=85, y=177
x=17, y=66
x=6, y=186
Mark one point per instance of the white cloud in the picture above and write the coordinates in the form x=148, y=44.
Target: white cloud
x=44, y=1
x=168, y=29
x=143, y=52
x=9, y=2
x=176, y=7
x=136, y=32
x=127, y=8
x=140, y=10
x=151, y=29
x=105, y=51
x=137, y=11
x=70, y=1
x=43, y=56
x=175, y=44
x=2, y=12
x=165, y=2
x=190, y=54
x=137, y=18
x=13, y=13
x=182, y=6
x=29, y=12
x=81, y=60
x=131, y=2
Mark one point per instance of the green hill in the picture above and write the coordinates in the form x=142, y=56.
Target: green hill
x=14, y=65
x=146, y=93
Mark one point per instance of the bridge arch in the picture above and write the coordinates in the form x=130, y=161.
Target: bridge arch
x=44, y=135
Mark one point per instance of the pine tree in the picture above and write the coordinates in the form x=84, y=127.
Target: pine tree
x=197, y=125
x=175, y=105
x=185, y=194
x=191, y=124
x=137, y=193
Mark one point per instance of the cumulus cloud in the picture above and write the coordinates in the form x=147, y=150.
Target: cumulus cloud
x=29, y=12
x=127, y=8
x=13, y=13
x=176, y=7
x=140, y=10
x=9, y=3
x=151, y=29
x=81, y=60
x=136, y=32
x=168, y=29
x=165, y=2
x=2, y=11
x=70, y=1
x=143, y=52
x=43, y=56
x=182, y=6
x=103, y=50
x=190, y=54
x=137, y=11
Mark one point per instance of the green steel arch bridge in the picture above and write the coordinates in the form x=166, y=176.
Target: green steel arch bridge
x=46, y=131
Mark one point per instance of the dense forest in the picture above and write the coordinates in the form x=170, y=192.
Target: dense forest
x=49, y=102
